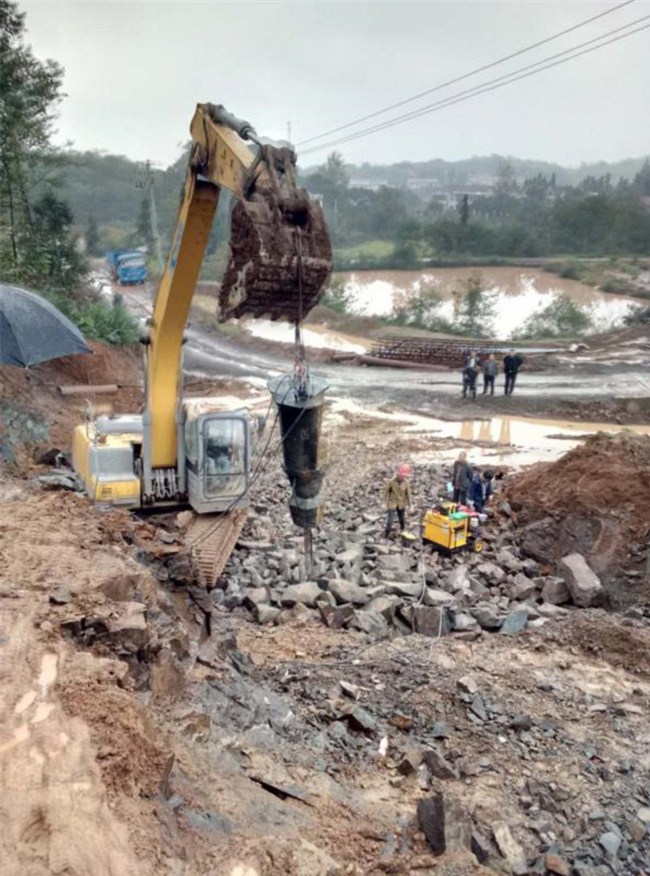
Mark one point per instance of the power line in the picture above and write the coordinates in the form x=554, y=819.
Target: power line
x=465, y=75
x=483, y=86
x=486, y=87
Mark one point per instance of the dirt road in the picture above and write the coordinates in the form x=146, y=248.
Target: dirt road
x=592, y=378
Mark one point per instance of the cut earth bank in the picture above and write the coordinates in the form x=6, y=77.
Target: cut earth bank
x=274, y=726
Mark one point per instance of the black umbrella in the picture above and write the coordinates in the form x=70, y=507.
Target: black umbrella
x=32, y=330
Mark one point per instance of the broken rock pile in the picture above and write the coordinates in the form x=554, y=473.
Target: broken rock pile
x=381, y=587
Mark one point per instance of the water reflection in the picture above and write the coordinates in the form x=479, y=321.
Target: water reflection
x=498, y=430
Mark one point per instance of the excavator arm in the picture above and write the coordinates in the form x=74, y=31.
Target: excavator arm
x=279, y=263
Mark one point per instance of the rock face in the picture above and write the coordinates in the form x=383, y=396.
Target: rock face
x=583, y=583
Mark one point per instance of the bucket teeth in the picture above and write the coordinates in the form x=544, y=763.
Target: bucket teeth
x=268, y=231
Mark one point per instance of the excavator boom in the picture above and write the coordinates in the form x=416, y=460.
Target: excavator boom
x=197, y=450
x=279, y=264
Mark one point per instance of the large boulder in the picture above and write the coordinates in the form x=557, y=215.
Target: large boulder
x=307, y=593
x=583, y=583
x=458, y=579
x=555, y=591
x=405, y=588
x=522, y=587
x=347, y=591
x=431, y=621
x=370, y=622
x=491, y=572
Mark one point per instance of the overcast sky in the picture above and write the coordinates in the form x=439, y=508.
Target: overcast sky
x=135, y=70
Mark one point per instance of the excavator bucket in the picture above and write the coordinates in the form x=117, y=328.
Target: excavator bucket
x=280, y=251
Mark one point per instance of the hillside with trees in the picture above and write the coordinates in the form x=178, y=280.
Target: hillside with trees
x=39, y=241
x=398, y=223
x=534, y=217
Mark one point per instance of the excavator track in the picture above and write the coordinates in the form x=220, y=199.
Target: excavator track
x=212, y=538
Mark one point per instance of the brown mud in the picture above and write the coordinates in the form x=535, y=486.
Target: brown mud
x=132, y=742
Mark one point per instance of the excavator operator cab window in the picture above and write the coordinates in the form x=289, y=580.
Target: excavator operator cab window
x=225, y=457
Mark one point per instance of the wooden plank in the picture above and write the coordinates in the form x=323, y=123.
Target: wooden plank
x=88, y=389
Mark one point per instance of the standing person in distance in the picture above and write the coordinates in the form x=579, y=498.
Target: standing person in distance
x=490, y=371
x=397, y=498
x=461, y=478
x=512, y=362
x=470, y=373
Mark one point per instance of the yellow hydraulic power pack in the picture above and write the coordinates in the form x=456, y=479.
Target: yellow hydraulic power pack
x=449, y=529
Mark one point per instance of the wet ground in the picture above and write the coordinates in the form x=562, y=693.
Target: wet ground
x=215, y=355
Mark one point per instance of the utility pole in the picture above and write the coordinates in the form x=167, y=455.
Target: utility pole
x=154, y=218
x=153, y=213
x=289, y=131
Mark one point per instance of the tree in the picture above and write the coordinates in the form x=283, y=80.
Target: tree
x=463, y=210
x=51, y=250
x=422, y=309
x=92, y=237
x=30, y=91
x=144, y=230
x=332, y=182
x=506, y=183
x=561, y=318
x=476, y=308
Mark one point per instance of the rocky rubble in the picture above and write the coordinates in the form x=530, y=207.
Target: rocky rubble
x=383, y=587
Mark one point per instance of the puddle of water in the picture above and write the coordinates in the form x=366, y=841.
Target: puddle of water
x=43, y=711
x=510, y=441
x=518, y=294
x=316, y=337
x=48, y=672
x=25, y=702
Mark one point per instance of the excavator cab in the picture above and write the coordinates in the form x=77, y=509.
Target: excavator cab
x=218, y=449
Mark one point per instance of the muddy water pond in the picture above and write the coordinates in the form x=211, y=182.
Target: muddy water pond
x=518, y=294
x=518, y=441
x=511, y=441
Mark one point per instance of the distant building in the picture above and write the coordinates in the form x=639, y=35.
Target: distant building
x=372, y=185
x=423, y=184
x=482, y=180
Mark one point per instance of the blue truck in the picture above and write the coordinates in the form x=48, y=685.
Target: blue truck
x=128, y=267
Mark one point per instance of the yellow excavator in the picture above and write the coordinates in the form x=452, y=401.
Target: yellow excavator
x=178, y=452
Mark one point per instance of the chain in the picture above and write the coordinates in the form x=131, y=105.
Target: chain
x=300, y=366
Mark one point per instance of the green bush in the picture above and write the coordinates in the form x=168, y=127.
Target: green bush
x=562, y=318
x=620, y=286
x=336, y=297
x=97, y=320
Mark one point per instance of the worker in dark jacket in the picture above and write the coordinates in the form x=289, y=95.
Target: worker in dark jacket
x=490, y=371
x=397, y=496
x=511, y=365
x=461, y=478
x=470, y=373
x=480, y=490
